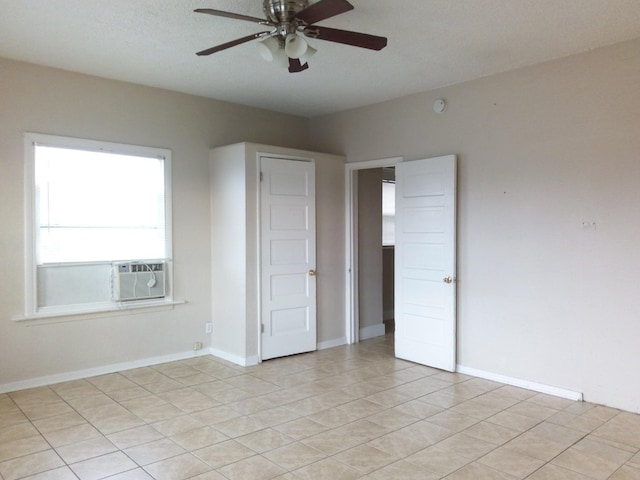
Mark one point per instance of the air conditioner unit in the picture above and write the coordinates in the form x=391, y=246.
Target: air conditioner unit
x=138, y=281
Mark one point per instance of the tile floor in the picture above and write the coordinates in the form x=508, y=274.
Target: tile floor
x=351, y=412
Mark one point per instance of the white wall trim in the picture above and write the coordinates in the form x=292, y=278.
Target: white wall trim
x=336, y=342
x=372, y=331
x=237, y=359
x=92, y=372
x=351, y=240
x=517, y=382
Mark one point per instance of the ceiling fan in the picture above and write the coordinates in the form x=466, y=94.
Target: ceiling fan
x=288, y=18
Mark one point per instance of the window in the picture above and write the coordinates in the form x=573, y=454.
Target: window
x=92, y=204
x=388, y=213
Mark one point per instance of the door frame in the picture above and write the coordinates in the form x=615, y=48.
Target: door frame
x=352, y=327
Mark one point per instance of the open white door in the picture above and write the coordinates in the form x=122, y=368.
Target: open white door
x=425, y=262
x=288, y=256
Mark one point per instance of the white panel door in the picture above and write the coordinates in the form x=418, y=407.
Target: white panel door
x=425, y=262
x=288, y=257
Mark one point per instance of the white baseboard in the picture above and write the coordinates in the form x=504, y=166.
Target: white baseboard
x=336, y=342
x=517, y=382
x=372, y=331
x=237, y=359
x=92, y=372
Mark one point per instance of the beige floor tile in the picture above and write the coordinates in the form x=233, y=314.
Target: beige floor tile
x=22, y=447
x=294, y=456
x=224, y=453
x=102, y=467
x=491, y=432
x=477, y=471
x=66, y=436
x=365, y=458
x=437, y=460
x=348, y=412
x=620, y=431
x=626, y=473
x=61, y=473
x=512, y=462
x=453, y=421
x=615, y=452
x=154, y=451
x=332, y=441
x=77, y=452
x=111, y=382
x=40, y=411
x=216, y=415
x=553, y=472
x=176, y=425
x=514, y=421
x=199, y=438
x=59, y=422
x=327, y=469
x=392, y=419
x=255, y=468
x=535, y=411
x=536, y=446
x=135, y=474
x=275, y=416
x=417, y=408
x=301, y=428
x=588, y=465
x=134, y=436
x=30, y=464
x=12, y=417
x=240, y=426
x=212, y=475
x=264, y=440
x=514, y=392
x=478, y=409
x=551, y=401
x=16, y=432
x=178, y=468
x=467, y=447
x=403, y=470
x=159, y=413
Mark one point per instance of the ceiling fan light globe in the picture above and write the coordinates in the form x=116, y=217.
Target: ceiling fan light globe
x=295, y=46
x=308, y=54
x=280, y=59
x=269, y=48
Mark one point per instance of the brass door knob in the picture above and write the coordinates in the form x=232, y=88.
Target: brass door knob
x=312, y=273
x=447, y=280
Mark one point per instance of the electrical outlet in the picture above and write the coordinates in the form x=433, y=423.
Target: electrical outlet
x=197, y=346
x=208, y=327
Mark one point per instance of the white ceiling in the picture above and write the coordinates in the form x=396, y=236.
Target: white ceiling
x=432, y=43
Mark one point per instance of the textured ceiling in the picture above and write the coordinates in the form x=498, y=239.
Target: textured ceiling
x=432, y=43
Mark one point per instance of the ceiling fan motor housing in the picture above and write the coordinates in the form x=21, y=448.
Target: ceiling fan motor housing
x=282, y=11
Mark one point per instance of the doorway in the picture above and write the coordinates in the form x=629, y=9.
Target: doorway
x=352, y=260
x=425, y=259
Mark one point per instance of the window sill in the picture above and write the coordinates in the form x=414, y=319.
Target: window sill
x=96, y=311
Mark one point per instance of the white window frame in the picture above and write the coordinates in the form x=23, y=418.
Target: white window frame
x=32, y=311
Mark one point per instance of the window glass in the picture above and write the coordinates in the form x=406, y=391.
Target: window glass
x=98, y=206
x=388, y=213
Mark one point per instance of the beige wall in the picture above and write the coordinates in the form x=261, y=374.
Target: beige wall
x=45, y=100
x=541, y=150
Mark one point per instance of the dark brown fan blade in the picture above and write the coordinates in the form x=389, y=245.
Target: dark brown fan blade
x=237, y=16
x=363, y=40
x=232, y=43
x=295, y=65
x=322, y=10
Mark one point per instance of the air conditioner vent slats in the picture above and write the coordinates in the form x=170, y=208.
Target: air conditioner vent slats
x=138, y=281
